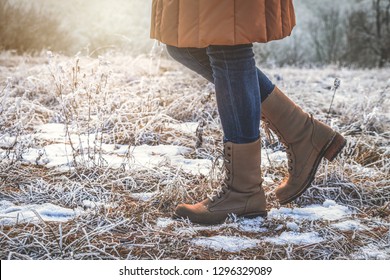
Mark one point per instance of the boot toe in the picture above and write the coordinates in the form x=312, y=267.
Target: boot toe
x=182, y=211
x=197, y=213
x=191, y=212
x=289, y=191
x=284, y=192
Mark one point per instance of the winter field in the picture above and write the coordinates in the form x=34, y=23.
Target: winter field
x=95, y=153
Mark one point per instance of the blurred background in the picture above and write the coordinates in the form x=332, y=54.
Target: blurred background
x=353, y=33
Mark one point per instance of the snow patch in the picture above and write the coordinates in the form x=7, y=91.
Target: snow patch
x=225, y=243
x=144, y=196
x=153, y=156
x=88, y=204
x=329, y=210
x=159, y=150
x=251, y=225
x=164, y=222
x=329, y=203
x=349, y=225
x=372, y=252
x=268, y=156
x=245, y=225
x=6, y=141
x=11, y=214
x=54, y=132
x=292, y=226
x=4, y=205
x=296, y=238
x=59, y=153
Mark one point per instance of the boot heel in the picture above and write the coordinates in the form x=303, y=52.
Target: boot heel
x=337, y=144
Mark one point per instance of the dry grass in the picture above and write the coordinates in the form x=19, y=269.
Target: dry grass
x=28, y=28
x=130, y=101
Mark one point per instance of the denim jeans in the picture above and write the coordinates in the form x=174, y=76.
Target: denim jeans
x=239, y=85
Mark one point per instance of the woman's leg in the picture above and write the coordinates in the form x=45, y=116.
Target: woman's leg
x=237, y=90
x=238, y=99
x=275, y=110
x=195, y=59
x=198, y=61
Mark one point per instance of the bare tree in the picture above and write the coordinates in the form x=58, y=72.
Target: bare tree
x=327, y=33
x=368, y=35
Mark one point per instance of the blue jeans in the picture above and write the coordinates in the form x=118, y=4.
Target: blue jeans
x=239, y=85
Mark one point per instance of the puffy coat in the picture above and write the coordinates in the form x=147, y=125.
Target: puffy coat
x=199, y=23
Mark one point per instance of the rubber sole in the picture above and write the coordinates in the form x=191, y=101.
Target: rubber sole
x=330, y=152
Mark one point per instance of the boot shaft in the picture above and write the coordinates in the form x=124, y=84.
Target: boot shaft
x=243, y=163
x=300, y=132
x=293, y=124
x=307, y=141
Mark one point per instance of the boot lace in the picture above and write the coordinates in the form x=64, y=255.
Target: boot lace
x=225, y=184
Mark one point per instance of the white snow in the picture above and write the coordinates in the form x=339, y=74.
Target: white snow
x=270, y=157
x=372, y=252
x=143, y=196
x=88, y=204
x=11, y=214
x=268, y=180
x=159, y=150
x=59, y=152
x=51, y=155
x=279, y=227
x=153, y=156
x=349, y=225
x=5, y=204
x=296, y=238
x=225, y=243
x=254, y=225
x=7, y=141
x=251, y=225
x=54, y=132
x=236, y=244
x=329, y=203
x=292, y=226
x=329, y=210
x=164, y=222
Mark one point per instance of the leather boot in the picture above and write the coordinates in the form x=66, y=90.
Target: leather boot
x=241, y=193
x=307, y=141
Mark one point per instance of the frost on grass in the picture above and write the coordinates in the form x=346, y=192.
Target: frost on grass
x=144, y=196
x=127, y=139
x=329, y=210
x=349, y=225
x=11, y=214
x=187, y=127
x=372, y=252
x=296, y=238
x=164, y=222
x=226, y=243
x=251, y=225
x=61, y=152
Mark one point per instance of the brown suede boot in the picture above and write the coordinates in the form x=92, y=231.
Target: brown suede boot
x=307, y=141
x=241, y=194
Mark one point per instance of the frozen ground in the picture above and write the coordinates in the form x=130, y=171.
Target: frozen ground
x=58, y=154
x=96, y=153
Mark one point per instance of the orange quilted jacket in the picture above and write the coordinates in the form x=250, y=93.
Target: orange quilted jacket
x=199, y=23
